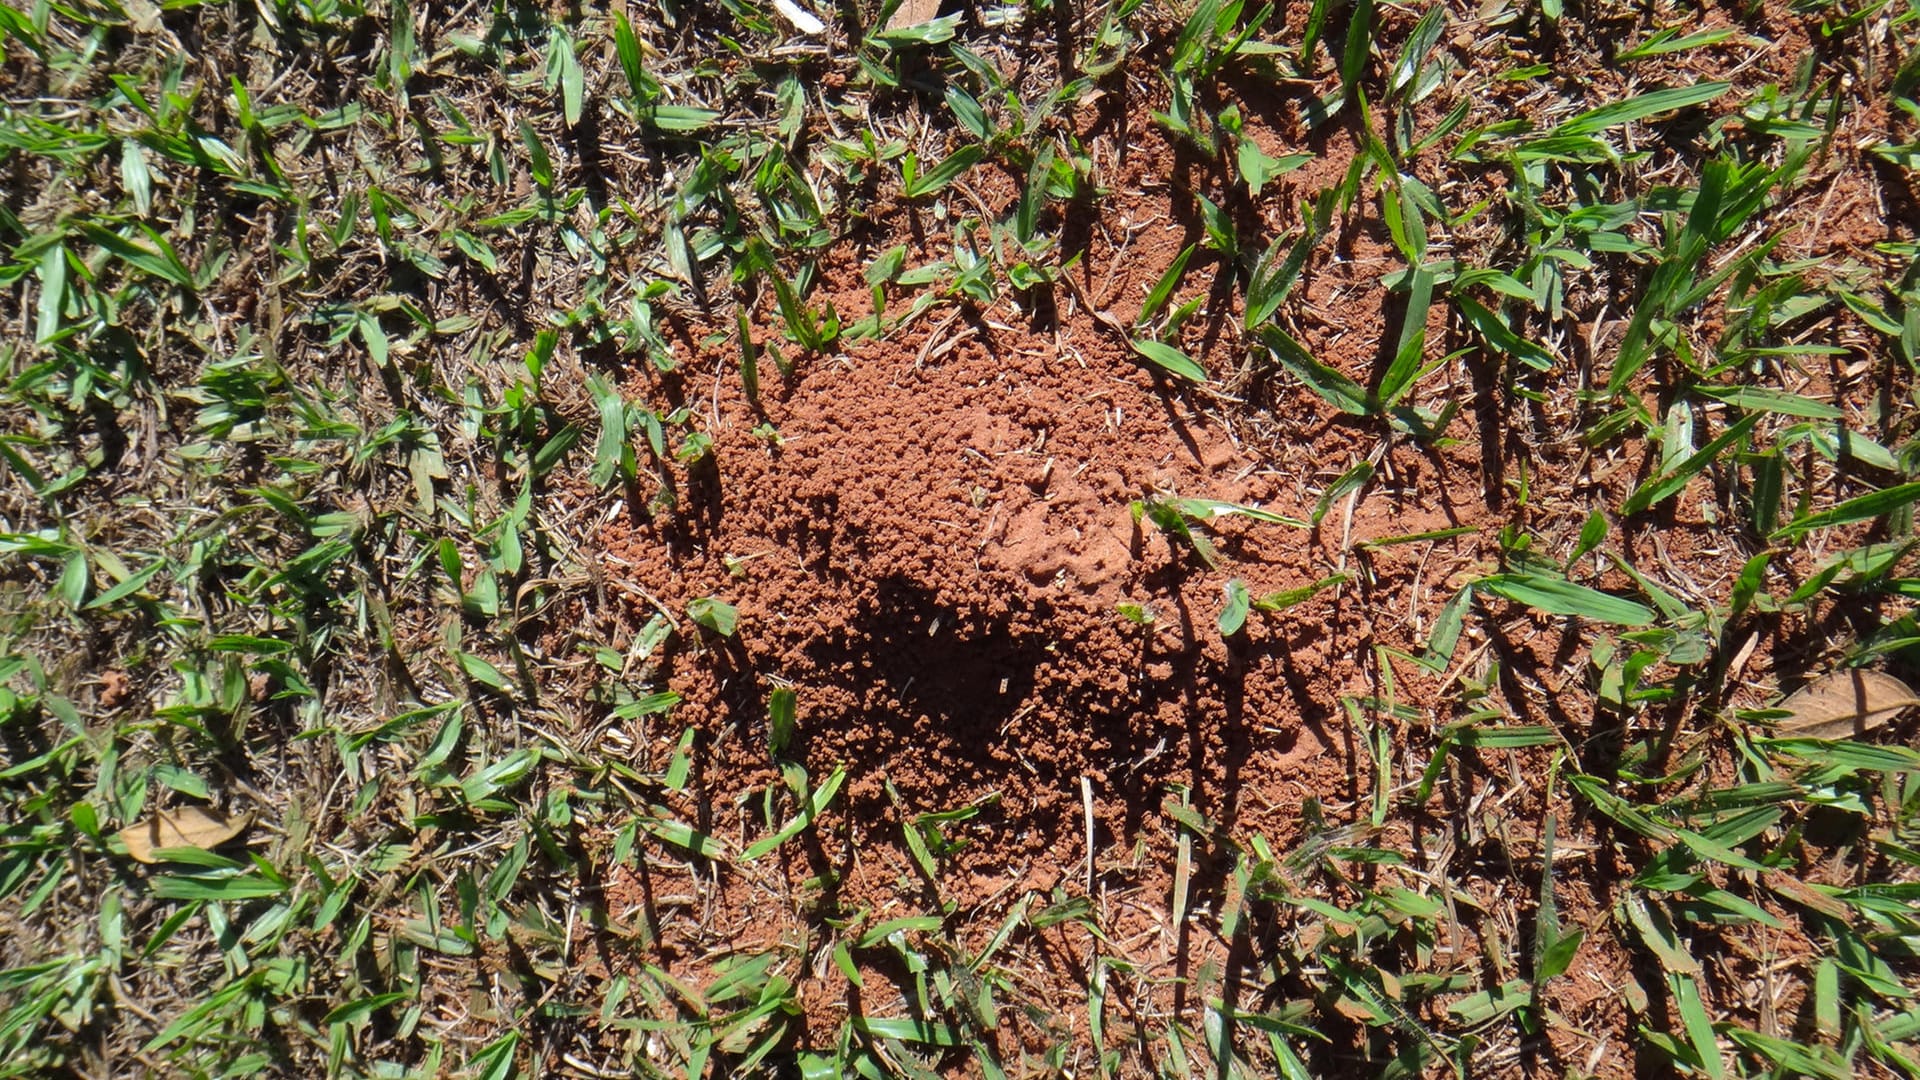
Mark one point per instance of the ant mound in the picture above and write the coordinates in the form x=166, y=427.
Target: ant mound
x=939, y=553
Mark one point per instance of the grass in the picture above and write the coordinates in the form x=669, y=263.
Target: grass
x=321, y=317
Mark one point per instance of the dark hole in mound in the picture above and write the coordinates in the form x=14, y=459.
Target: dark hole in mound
x=950, y=680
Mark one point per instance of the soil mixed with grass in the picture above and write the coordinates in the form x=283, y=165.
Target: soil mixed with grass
x=988, y=540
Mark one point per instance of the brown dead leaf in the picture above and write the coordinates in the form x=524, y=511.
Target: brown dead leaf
x=913, y=13
x=1807, y=896
x=186, y=827
x=1844, y=705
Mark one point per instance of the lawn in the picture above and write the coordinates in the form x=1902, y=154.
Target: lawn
x=1155, y=539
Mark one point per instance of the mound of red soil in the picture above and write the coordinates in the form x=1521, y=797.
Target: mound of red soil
x=934, y=552
x=933, y=555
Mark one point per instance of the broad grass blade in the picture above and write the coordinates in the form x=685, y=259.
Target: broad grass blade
x=1338, y=390
x=1653, y=103
x=1864, y=508
x=1170, y=359
x=1557, y=596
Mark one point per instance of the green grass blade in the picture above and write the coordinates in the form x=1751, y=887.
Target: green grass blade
x=1233, y=616
x=817, y=804
x=1335, y=388
x=924, y=1032
x=946, y=172
x=1413, y=56
x=1699, y=1029
x=1507, y=738
x=133, y=584
x=1669, y=282
x=1501, y=337
x=1863, y=508
x=679, y=119
x=1316, y=23
x=1642, y=106
x=967, y=110
x=563, y=69
x=1357, y=475
x=1208, y=509
x=155, y=256
x=627, y=46
x=1413, y=341
x=539, y=163
x=1281, y=601
x=1763, y=399
x=53, y=293
x=1557, y=596
x=1664, y=42
x=686, y=837
x=1162, y=290
x=1792, y=1058
x=716, y=615
x=1170, y=359
x=1669, y=483
x=1353, y=60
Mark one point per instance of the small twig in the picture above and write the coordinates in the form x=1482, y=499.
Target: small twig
x=622, y=583
x=1118, y=328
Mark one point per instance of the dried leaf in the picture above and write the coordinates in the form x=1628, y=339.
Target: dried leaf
x=187, y=827
x=1844, y=705
x=1807, y=896
x=913, y=13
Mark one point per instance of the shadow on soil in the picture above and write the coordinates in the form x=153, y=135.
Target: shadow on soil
x=952, y=703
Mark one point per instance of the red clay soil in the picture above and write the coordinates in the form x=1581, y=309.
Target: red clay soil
x=933, y=556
